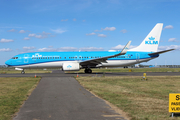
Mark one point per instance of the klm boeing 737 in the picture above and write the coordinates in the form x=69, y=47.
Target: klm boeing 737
x=74, y=61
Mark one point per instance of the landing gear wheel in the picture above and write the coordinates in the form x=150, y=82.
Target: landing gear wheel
x=88, y=71
x=22, y=72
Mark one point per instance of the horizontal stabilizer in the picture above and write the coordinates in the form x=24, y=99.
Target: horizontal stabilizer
x=160, y=52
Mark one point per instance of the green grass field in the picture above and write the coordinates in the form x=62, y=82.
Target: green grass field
x=13, y=91
x=109, y=70
x=11, y=71
x=141, y=100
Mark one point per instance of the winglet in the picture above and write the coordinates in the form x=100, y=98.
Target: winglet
x=125, y=49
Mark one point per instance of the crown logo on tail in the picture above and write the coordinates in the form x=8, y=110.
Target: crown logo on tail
x=151, y=38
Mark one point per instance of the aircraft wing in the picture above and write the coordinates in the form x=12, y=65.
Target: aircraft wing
x=103, y=59
x=160, y=52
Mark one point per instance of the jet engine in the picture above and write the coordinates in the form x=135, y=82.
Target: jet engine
x=18, y=69
x=71, y=66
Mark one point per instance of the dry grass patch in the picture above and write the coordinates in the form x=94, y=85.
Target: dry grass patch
x=13, y=71
x=117, y=70
x=140, y=99
x=13, y=91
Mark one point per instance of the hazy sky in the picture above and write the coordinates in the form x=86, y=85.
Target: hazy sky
x=87, y=25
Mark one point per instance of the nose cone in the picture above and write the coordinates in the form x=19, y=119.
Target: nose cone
x=8, y=62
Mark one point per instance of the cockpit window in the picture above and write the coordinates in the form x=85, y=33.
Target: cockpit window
x=14, y=57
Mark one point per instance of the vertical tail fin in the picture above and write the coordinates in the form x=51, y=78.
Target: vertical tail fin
x=151, y=42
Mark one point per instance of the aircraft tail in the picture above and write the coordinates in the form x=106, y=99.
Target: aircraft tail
x=151, y=42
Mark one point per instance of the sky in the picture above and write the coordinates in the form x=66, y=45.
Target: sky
x=87, y=25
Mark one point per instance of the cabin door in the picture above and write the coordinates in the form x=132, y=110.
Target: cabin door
x=137, y=57
x=26, y=58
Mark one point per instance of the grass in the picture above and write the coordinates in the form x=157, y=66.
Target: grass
x=109, y=70
x=133, y=70
x=10, y=71
x=141, y=100
x=13, y=91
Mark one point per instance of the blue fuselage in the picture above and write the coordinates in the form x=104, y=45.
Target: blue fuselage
x=56, y=59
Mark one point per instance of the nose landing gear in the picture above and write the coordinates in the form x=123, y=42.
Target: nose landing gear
x=22, y=72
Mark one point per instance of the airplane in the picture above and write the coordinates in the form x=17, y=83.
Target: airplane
x=74, y=61
x=150, y=66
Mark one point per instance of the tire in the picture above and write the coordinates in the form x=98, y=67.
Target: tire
x=89, y=71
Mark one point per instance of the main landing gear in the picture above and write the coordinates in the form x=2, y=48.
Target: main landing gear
x=87, y=70
x=22, y=72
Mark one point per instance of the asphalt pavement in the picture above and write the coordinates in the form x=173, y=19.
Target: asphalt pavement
x=63, y=98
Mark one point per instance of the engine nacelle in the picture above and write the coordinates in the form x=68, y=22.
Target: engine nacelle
x=18, y=69
x=71, y=66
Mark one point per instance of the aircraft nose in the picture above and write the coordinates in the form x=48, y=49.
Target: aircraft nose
x=8, y=62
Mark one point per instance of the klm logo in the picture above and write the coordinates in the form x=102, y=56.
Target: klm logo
x=69, y=66
x=37, y=55
x=151, y=41
x=151, y=38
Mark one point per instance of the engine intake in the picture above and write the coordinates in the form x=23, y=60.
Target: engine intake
x=71, y=66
